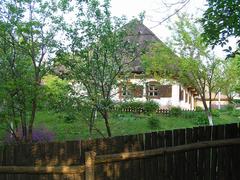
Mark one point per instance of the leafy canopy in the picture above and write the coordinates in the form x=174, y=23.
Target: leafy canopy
x=220, y=21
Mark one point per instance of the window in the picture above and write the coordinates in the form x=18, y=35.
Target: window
x=153, y=90
x=130, y=90
x=181, y=94
x=126, y=90
x=186, y=97
x=137, y=91
x=165, y=91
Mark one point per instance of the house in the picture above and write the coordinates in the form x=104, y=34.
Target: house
x=140, y=87
x=218, y=101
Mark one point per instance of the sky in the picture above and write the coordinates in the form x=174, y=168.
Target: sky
x=156, y=10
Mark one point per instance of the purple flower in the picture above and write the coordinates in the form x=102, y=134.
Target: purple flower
x=40, y=134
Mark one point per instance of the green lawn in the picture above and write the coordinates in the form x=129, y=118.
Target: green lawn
x=121, y=124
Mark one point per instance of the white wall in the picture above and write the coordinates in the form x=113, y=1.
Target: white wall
x=163, y=101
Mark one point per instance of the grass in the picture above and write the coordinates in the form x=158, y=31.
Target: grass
x=121, y=124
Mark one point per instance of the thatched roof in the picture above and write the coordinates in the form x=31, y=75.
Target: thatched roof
x=145, y=37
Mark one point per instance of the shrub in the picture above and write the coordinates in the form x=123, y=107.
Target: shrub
x=215, y=113
x=131, y=104
x=189, y=114
x=236, y=101
x=198, y=109
x=40, y=134
x=150, y=106
x=201, y=118
x=229, y=107
x=153, y=122
x=69, y=117
x=236, y=113
x=175, y=111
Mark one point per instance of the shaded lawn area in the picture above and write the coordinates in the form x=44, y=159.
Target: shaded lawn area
x=121, y=124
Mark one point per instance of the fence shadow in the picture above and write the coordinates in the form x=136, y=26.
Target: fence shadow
x=69, y=157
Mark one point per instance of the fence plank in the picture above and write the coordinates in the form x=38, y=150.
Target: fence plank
x=195, y=161
x=169, y=157
x=190, y=156
x=89, y=165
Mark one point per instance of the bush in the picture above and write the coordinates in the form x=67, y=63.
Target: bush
x=69, y=117
x=175, y=111
x=131, y=104
x=236, y=101
x=40, y=134
x=153, y=122
x=198, y=109
x=150, y=106
x=189, y=114
x=236, y=113
x=201, y=118
x=215, y=113
x=229, y=107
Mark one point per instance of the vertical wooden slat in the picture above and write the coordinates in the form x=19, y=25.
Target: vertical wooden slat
x=207, y=136
x=89, y=165
x=231, y=131
x=214, y=156
x=201, y=155
x=148, y=162
x=169, y=157
x=160, y=159
x=195, y=154
x=220, y=154
x=190, y=156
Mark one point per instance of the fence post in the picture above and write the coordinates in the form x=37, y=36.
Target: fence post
x=89, y=165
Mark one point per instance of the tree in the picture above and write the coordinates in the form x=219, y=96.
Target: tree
x=220, y=21
x=195, y=67
x=102, y=49
x=229, y=81
x=26, y=40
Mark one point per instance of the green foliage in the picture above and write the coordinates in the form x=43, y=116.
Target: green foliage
x=130, y=104
x=236, y=101
x=150, y=106
x=221, y=21
x=27, y=43
x=100, y=52
x=175, y=111
x=215, y=113
x=229, y=107
x=201, y=119
x=229, y=82
x=198, y=109
x=147, y=107
x=159, y=57
x=70, y=117
x=57, y=93
x=189, y=114
x=235, y=113
x=153, y=122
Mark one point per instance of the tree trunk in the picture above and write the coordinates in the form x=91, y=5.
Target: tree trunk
x=105, y=116
x=210, y=102
x=92, y=120
x=207, y=111
x=210, y=120
x=24, y=126
x=30, y=127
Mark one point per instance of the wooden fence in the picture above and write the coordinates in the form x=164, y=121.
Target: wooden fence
x=193, y=153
